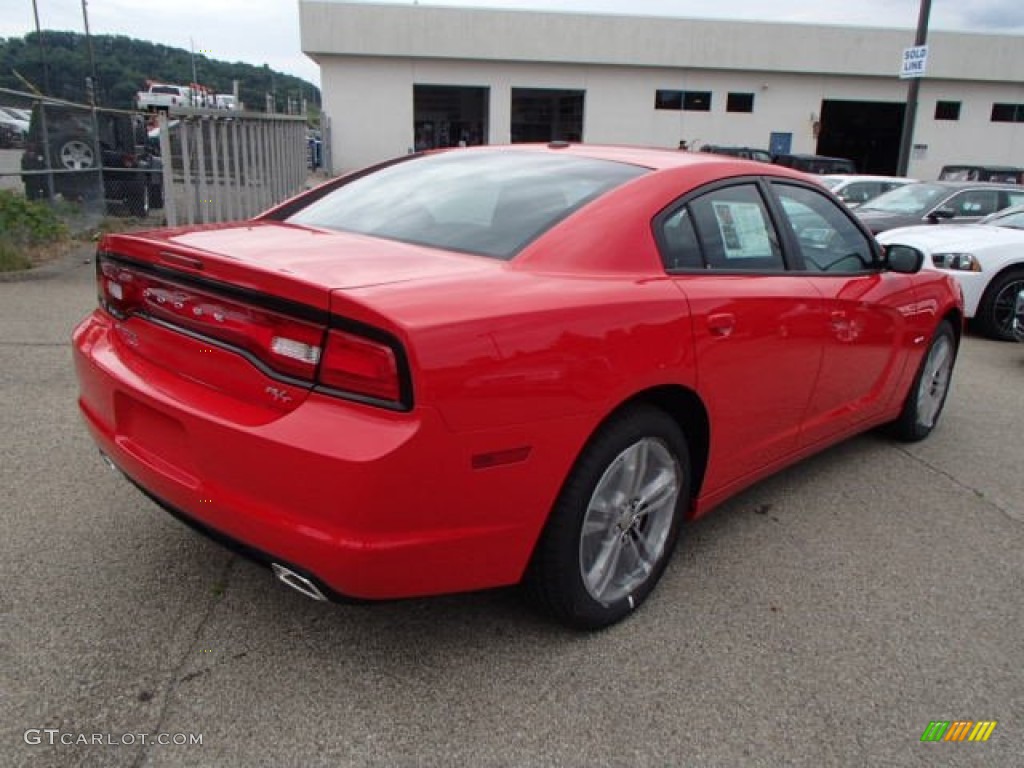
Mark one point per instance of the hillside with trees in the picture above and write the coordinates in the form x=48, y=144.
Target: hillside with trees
x=123, y=64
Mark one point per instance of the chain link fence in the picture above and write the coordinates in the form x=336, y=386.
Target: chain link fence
x=89, y=162
x=185, y=166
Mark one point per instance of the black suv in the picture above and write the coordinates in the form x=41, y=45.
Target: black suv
x=1000, y=173
x=818, y=164
x=132, y=175
x=747, y=153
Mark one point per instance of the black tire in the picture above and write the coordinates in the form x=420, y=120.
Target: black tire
x=156, y=195
x=137, y=199
x=35, y=187
x=928, y=392
x=994, y=317
x=652, y=440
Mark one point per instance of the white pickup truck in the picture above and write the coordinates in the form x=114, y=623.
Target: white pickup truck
x=161, y=96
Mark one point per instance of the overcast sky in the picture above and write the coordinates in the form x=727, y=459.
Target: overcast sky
x=267, y=31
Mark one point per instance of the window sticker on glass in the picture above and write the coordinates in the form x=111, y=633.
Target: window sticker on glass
x=743, y=230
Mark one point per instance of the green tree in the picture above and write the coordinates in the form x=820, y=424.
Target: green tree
x=123, y=64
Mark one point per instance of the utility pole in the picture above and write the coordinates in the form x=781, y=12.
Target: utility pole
x=96, y=148
x=910, y=115
x=92, y=56
x=42, y=51
x=195, y=80
x=42, y=108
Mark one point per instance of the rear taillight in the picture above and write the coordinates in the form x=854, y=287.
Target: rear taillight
x=351, y=365
x=356, y=364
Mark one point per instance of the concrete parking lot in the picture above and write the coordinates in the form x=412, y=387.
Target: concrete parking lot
x=822, y=618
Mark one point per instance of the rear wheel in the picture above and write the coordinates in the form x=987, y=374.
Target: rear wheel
x=927, y=396
x=995, y=313
x=616, y=521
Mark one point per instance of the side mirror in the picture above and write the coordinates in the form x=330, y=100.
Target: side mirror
x=941, y=213
x=902, y=259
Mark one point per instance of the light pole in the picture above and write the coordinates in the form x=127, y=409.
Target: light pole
x=910, y=115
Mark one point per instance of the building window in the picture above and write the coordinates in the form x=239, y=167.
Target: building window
x=697, y=101
x=1008, y=113
x=668, y=100
x=740, y=102
x=947, y=110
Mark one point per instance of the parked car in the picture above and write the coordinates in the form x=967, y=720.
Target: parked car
x=10, y=137
x=998, y=173
x=132, y=175
x=747, y=153
x=13, y=127
x=471, y=368
x=857, y=189
x=816, y=164
x=934, y=202
x=986, y=258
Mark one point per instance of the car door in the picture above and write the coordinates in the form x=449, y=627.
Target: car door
x=866, y=311
x=756, y=326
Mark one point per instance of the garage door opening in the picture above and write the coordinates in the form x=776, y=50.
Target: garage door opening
x=867, y=132
x=449, y=116
x=542, y=114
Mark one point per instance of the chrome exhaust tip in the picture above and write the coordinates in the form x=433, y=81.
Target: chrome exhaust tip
x=297, y=582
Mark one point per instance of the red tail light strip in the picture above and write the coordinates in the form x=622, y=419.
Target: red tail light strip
x=348, y=359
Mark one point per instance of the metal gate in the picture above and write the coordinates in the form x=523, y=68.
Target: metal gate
x=224, y=166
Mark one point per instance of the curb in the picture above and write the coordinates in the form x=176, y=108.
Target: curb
x=76, y=257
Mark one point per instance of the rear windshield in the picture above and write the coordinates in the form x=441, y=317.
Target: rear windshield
x=490, y=203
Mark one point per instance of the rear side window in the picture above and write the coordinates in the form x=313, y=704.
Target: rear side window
x=490, y=203
x=735, y=231
x=680, y=248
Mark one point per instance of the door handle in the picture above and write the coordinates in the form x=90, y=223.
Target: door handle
x=722, y=323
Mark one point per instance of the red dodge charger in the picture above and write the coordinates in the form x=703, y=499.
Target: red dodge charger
x=481, y=367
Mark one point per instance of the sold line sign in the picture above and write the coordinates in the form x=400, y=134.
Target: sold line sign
x=915, y=62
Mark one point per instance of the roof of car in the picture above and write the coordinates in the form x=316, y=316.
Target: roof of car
x=865, y=177
x=815, y=157
x=996, y=168
x=958, y=185
x=655, y=158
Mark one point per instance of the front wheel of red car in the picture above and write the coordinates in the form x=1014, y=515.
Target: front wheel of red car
x=616, y=521
x=927, y=396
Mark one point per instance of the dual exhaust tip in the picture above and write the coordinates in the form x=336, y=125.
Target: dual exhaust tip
x=298, y=582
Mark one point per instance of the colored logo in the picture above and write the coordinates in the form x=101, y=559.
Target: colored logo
x=959, y=730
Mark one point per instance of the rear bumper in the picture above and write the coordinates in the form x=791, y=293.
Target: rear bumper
x=370, y=504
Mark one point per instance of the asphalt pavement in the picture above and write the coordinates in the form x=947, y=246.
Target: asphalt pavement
x=823, y=618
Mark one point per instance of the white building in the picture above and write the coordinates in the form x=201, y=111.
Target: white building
x=398, y=77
